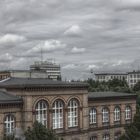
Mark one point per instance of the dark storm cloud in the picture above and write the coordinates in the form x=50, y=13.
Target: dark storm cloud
x=80, y=34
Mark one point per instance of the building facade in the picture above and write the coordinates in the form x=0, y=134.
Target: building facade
x=40, y=69
x=131, y=77
x=110, y=76
x=66, y=107
x=53, y=70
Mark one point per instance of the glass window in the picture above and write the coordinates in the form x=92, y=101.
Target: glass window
x=73, y=113
x=127, y=113
x=106, y=137
x=41, y=112
x=9, y=124
x=93, y=138
x=58, y=107
x=92, y=115
x=117, y=114
x=105, y=115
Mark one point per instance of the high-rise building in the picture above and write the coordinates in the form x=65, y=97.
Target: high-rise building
x=52, y=69
x=40, y=69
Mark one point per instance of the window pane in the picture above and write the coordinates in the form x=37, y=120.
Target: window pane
x=73, y=113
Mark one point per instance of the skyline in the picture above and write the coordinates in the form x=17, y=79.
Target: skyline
x=80, y=35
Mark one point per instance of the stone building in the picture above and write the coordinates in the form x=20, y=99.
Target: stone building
x=66, y=107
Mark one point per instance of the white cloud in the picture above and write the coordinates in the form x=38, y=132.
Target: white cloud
x=73, y=30
x=77, y=50
x=6, y=58
x=69, y=66
x=49, y=46
x=120, y=62
x=11, y=39
x=92, y=67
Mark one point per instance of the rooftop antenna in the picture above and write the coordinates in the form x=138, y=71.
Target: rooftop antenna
x=41, y=54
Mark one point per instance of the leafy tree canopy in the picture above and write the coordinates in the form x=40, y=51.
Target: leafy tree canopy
x=40, y=132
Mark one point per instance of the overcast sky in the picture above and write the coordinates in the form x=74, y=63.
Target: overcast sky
x=103, y=35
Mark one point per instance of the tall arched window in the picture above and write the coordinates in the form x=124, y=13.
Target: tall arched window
x=128, y=113
x=73, y=113
x=105, y=116
x=9, y=124
x=92, y=115
x=106, y=137
x=117, y=114
x=41, y=112
x=58, y=107
x=93, y=138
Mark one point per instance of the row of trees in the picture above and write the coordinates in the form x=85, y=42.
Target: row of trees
x=112, y=85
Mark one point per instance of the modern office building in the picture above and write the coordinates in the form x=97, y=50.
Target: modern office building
x=66, y=107
x=40, y=69
x=53, y=70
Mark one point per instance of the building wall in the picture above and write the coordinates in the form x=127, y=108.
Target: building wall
x=25, y=116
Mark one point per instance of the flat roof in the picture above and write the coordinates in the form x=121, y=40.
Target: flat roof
x=109, y=95
x=38, y=82
x=6, y=98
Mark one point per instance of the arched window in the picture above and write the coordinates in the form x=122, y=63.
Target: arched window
x=9, y=124
x=58, y=107
x=73, y=113
x=128, y=113
x=41, y=112
x=105, y=115
x=92, y=115
x=106, y=137
x=93, y=138
x=117, y=114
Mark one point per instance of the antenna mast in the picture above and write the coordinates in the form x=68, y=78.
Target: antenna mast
x=41, y=54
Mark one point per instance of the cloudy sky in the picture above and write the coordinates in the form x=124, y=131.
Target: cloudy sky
x=102, y=35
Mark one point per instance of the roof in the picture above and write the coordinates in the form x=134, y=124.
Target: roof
x=6, y=98
x=109, y=95
x=38, y=82
x=111, y=73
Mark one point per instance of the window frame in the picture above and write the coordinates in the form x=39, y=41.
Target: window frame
x=128, y=113
x=105, y=116
x=73, y=113
x=58, y=114
x=9, y=124
x=93, y=116
x=41, y=112
x=117, y=114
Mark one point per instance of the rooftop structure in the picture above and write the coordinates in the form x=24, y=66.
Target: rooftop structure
x=52, y=69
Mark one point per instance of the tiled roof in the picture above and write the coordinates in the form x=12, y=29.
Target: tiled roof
x=38, y=82
x=6, y=98
x=100, y=95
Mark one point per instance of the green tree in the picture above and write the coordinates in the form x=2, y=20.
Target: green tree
x=132, y=131
x=136, y=87
x=40, y=132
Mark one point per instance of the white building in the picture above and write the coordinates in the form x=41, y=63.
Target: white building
x=110, y=76
x=51, y=69
x=40, y=69
x=131, y=77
